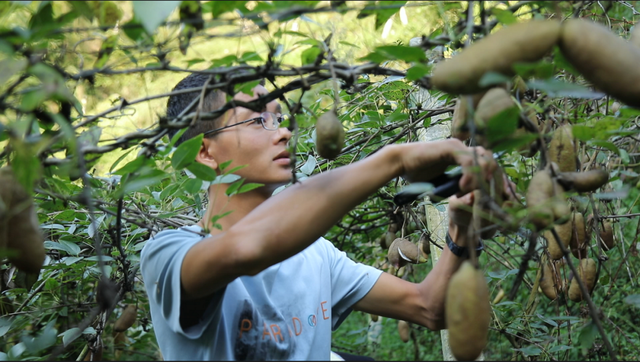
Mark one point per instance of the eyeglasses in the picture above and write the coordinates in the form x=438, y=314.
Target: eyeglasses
x=270, y=122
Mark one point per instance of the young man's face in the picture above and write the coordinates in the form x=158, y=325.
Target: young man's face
x=263, y=151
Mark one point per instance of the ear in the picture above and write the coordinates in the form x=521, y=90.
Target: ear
x=205, y=155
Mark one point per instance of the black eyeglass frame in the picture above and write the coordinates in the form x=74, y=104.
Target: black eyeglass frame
x=279, y=119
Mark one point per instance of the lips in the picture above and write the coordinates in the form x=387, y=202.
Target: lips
x=283, y=154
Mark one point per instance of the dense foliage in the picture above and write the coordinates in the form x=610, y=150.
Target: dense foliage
x=82, y=99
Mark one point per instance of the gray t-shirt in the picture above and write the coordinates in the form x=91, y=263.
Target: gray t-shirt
x=286, y=312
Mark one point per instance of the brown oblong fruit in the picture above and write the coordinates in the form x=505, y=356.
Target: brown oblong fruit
x=467, y=312
x=403, y=251
x=389, y=237
x=550, y=282
x=562, y=149
x=606, y=234
x=424, y=245
x=497, y=52
x=459, y=127
x=578, y=242
x=603, y=58
x=23, y=236
x=404, y=330
x=539, y=193
x=564, y=232
x=329, y=135
x=127, y=318
x=587, y=272
x=586, y=181
x=495, y=101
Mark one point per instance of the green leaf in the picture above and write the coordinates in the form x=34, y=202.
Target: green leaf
x=250, y=56
x=309, y=166
x=193, y=186
x=234, y=187
x=140, y=182
x=202, y=172
x=529, y=351
x=418, y=71
x=11, y=67
x=248, y=187
x=224, y=165
x=633, y=299
x=70, y=247
x=492, y=78
x=186, y=153
x=540, y=70
x=247, y=87
x=400, y=52
x=122, y=157
x=504, y=16
x=583, y=133
x=502, y=125
x=310, y=55
x=559, y=89
x=561, y=62
x=587, y=336
x=133, y=166
x=605, y=144
x=217, y=8
x=70, y=335
x=153, y=13
x=559, y=348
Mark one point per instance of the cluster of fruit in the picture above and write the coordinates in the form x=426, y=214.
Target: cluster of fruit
x=611, y=65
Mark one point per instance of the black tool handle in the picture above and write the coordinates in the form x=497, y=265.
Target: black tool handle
x=446, y=185
x=449, y=188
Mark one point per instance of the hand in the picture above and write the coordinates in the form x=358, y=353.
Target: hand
x=478, y=165
x=460, y=210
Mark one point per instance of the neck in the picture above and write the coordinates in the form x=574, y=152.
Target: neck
x=240, y=205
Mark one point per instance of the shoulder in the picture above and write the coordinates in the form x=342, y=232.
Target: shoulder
x=166, y=240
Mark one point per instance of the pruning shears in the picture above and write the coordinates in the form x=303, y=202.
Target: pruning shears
x=439, y=188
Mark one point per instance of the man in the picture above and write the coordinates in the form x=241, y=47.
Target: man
x=267, y=285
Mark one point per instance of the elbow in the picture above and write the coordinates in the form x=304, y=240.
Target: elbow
x=248, y=257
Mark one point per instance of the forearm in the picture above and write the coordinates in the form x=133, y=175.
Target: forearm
x=290, y=221
x=433, y=288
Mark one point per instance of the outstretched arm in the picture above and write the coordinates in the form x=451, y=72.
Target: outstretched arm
x=290, y=221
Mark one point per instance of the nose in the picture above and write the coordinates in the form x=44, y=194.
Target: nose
x=282, y=134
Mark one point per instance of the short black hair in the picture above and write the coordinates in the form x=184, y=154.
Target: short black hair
x=178, y=102
x=213, y=100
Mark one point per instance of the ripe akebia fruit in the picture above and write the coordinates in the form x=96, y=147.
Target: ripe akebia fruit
x=403, y=251
x=587, y=269
x=538, y=197
x=459, y=128
x=21, y=229
x=562, y=149
x=494, y=101
x=424, y=245
x=389, y=237
x=467, y=312
x=578, y=242
x=606, y=234
x=404, y=330
x=520, y=42
x=586, y=181
x=329, y=135
x=550, y=281
x=603, y=58
x=564, y=231
x=126, y=319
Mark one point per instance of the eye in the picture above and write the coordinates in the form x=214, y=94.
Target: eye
x=256, y=121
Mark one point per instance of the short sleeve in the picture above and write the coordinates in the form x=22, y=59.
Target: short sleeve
x=350, y=282
x=161, y=263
